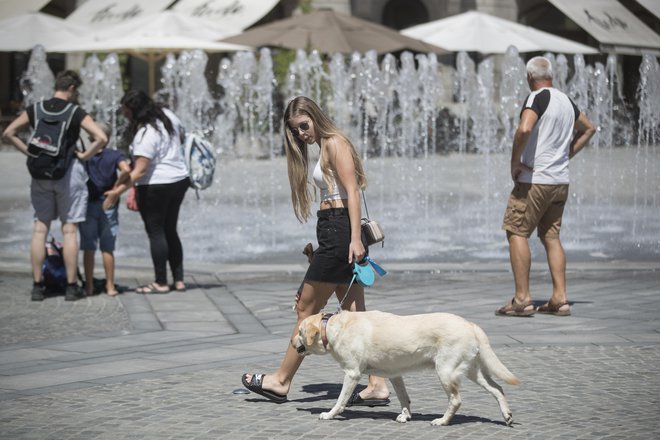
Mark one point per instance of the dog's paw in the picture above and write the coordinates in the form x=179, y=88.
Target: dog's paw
x=325, y=416
x=508, y=419
x=402, y=418
x=440, y=422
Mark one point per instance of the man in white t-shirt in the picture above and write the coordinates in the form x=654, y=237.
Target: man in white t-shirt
x=551, y=131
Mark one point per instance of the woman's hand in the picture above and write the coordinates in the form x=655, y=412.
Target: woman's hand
x=111, y=198
x=356, y=251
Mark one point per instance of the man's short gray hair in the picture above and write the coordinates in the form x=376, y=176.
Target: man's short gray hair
x=539, y=68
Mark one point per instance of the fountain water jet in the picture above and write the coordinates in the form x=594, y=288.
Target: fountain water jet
x=37, y=82
x=435, y=204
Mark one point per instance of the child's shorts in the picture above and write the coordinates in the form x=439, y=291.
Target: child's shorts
x=99, y=227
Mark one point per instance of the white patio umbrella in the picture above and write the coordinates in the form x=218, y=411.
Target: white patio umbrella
x=10, y=8
x=147, y=44
x=151, y=38
x=479, y=32
x=22, y=32
x=164, y=31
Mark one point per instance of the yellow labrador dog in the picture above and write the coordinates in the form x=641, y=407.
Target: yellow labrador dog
x=389, y=345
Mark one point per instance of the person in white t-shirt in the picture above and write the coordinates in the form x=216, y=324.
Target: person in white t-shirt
x=161, y=178
x=551, y=131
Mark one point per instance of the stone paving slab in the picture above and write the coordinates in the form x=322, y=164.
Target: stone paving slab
x=108, y=368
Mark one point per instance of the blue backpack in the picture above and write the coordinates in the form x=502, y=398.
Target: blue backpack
x=53, y=270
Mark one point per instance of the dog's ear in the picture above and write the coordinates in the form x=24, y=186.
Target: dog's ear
x=311, y=329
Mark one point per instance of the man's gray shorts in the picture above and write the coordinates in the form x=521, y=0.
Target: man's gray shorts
x=65, y=198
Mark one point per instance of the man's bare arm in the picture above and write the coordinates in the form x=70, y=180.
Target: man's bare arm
x=584, y=131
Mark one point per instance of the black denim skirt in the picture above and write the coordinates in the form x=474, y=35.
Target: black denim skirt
x=330, y=263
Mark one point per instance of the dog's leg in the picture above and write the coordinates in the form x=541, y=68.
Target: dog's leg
x=350, y=381
x=450, y=384
x=404, y=400
x=480, y=377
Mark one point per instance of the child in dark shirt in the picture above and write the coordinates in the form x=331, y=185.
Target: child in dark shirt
x=101, y=225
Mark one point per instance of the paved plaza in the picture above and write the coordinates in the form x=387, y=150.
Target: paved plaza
x=167, y=366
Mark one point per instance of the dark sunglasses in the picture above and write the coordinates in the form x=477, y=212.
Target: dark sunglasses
x=303, y=126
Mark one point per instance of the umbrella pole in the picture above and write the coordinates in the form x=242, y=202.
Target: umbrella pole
x=152, y=74
x=151, y=58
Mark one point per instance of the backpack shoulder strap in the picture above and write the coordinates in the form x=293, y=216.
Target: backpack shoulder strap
x=187, y=148
x=71, y=108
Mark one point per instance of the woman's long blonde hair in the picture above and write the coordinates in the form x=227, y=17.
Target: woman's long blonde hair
x=297, y=157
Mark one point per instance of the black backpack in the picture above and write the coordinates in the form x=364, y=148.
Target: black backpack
x=49, y=154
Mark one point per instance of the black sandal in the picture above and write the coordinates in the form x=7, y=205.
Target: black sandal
x=255, y=385
x=357, y=400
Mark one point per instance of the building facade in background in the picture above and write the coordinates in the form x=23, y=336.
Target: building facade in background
x=397, y=14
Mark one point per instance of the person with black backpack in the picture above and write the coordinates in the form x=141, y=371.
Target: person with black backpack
x=59, y=182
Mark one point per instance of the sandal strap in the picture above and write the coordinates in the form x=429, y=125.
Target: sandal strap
x=556, y=307
x=257, y=379
x=519, y=308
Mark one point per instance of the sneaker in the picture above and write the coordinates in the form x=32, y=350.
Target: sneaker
x=38, y=291
x=73, y=292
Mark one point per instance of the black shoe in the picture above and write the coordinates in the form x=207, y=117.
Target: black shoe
x=38, y=291
x=73, y=292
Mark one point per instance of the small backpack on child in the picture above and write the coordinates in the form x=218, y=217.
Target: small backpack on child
x=48, y=155
x=200, y=161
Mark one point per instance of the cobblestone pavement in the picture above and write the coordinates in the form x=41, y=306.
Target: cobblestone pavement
x=167, y=366
x=22, y=320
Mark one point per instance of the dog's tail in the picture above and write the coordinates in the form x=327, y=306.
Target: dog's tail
x=490, y=360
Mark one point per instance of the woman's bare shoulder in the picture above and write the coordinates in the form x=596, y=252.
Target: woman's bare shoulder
x=336, y=144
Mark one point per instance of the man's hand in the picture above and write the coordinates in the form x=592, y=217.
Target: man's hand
x=517, y=168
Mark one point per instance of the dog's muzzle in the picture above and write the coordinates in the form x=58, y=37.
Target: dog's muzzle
x=299, y=349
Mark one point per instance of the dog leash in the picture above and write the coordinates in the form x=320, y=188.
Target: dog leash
x=348, y=291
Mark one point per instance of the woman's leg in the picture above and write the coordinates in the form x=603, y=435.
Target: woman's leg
x=314, y=297
x=377, y=386
x=174, y=247
x=153, y=202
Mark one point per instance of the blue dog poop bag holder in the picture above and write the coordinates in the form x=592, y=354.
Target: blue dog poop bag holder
x=364, y=274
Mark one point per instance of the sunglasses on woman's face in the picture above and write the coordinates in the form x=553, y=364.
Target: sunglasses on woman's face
x=304, y=126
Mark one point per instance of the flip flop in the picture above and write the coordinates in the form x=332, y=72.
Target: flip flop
x=255, y=385
x=356, y=400
x=152, y=288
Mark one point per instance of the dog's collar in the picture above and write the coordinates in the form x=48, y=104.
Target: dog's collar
x=324, y=323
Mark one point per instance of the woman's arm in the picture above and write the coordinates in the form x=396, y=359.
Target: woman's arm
x=126, y=180
x=341, y=160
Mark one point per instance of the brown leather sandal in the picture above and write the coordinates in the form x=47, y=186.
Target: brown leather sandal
x=553, y=309
x=515, y=309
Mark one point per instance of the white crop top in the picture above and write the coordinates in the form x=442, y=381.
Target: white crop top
x=337, y=192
